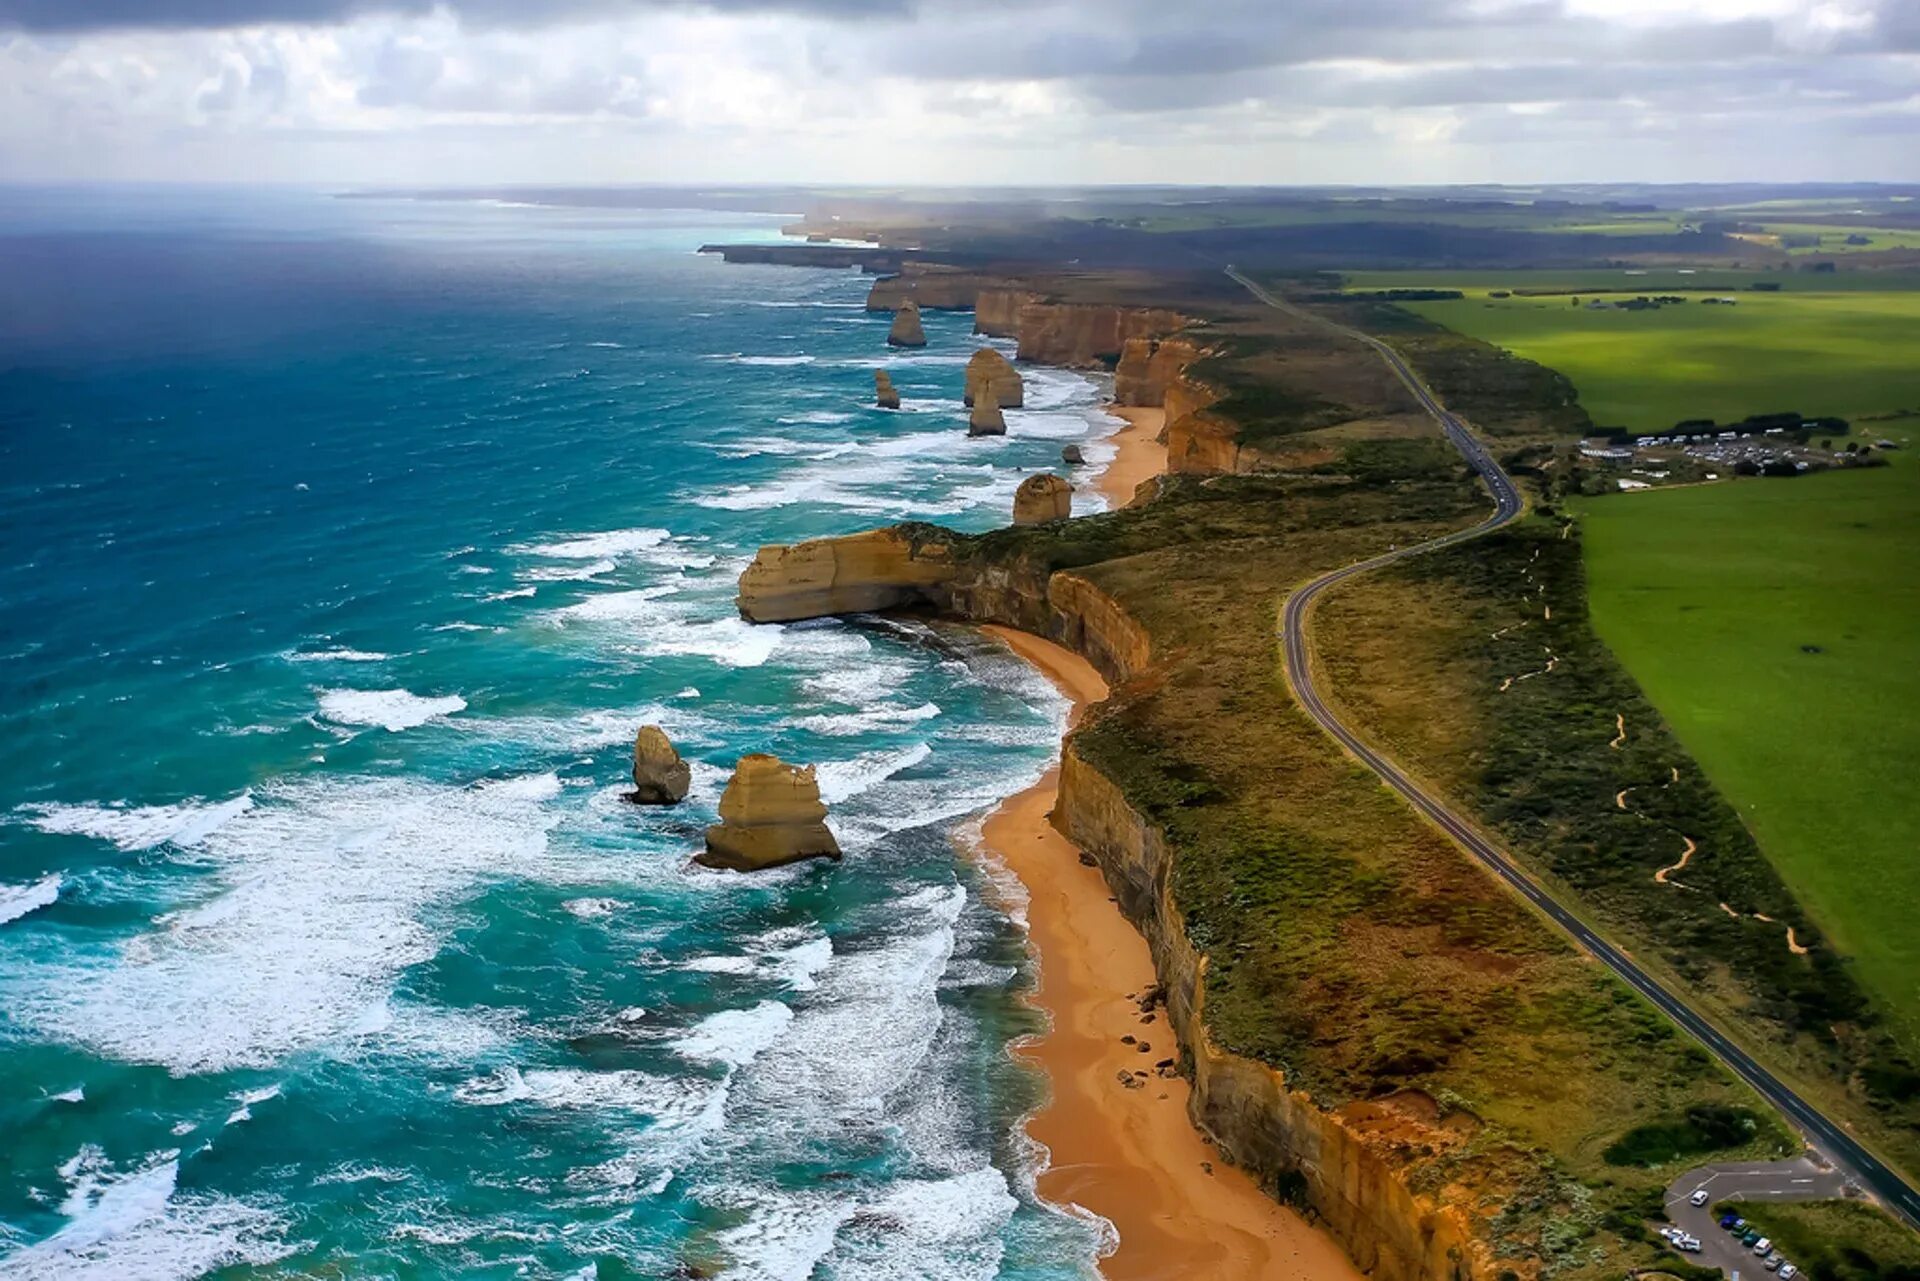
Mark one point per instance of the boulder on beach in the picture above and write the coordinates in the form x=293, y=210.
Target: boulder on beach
x=986, y=418
x=988, y=368
x=1071, y=455
x=771, y=814
x=1042, y=498
x=660, y=777
x=906, y=331
x=884, y=394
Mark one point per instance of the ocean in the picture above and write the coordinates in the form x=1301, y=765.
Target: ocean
x=344, y=545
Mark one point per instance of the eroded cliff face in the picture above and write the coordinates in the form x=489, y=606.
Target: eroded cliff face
x=1149, y=367
x=880, y=569
x=932, y=288
x=996, y=310
x=1351, y=1168
x=1086, y=335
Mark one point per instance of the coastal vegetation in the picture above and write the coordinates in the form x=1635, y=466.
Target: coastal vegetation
x=1773, y=625
x=1479, y=668
x=1809, y=345
x=1350, y=946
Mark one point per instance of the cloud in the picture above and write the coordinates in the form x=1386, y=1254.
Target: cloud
x=495, y=91
x=97, y=15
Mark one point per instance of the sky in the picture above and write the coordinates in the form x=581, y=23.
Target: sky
x=959, y=92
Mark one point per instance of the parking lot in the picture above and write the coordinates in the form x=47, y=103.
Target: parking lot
x=1800, y=1179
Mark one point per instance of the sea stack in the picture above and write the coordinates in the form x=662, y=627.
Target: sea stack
x=906, y=331
x=986, y=418
x=1071, y=455
x=660, y=777
x=989, y=368
x=771, y=814
x=1042, y=498
x=884, y=394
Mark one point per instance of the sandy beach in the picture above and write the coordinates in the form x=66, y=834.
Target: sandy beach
x=1141, y=456
x=1129, y=1155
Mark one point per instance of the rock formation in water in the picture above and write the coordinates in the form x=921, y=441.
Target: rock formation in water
x=771, y=814
x=1071, y=455
x=880, y=569
x=884, y=394
x=988, y=368
x=660, y=777
x=986, y=418
x=906, y=331
x=1042, y=498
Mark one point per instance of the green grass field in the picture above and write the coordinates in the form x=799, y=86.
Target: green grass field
x=1775, y=623
x=1832, y=351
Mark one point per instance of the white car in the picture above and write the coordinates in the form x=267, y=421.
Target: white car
x=1691, y=1244
x=1699, y=1197
x=1788, y=1272
x=1762, y=1246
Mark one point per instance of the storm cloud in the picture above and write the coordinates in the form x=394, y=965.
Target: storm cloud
x=989, y=91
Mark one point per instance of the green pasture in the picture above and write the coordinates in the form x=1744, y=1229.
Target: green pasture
x=1776, y=623
x=1822, y=350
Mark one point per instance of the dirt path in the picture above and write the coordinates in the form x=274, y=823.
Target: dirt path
x=1662, y=875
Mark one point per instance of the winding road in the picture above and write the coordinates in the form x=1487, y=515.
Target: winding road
x=1825, y=1135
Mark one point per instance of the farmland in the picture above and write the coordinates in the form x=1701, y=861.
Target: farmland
x=1774, y=623
x=1819, y=346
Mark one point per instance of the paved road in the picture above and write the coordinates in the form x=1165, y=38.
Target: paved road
x=1825, y=1135
x=1801, y=1179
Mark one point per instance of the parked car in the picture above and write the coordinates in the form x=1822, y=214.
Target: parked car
x=1788, y=1272
x=1691, y=1244
x=1728, y=1220
x=1772, y=1262
x=1763, y=1245
x=1749, y=1237
x=1699, y=1196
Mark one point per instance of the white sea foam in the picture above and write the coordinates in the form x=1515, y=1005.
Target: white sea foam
x=620, y=607
x=796, y=964
x=316, y=904
x=336, y=656
x=17, y=900
x=518, y=593
x=736, y=1037
x=78, y=1094
x=883, y=717
x=134, y=1227
x=782, y=1236
x=735, y=358
x=883, y=1000
x=569, y=573
x=390, y=709
x=841, y=781
x=139, y=827
x=947, y=1228
x=592, y=909
x=610, y=544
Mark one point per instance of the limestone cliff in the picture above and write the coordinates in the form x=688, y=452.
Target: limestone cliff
x=1354, y=1168
x=996, y=311
x=1087, y=335
x=1347, y=1167
x=931, y=288
x=906, y=330
x=881, y=569
x=986, y=418
x=885, y=395
x=988, y=368
x=1042, y=498
x=1149, y=367
x=660, y=777
x=771, y=814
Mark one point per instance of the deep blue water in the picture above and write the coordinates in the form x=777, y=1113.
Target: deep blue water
x=343, y=547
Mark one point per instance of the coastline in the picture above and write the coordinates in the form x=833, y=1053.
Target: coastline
x=1140, y=457
x=1128, y=1154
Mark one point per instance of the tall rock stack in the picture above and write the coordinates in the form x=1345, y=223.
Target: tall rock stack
x=989, y=368
x=660, y=777
x=906, y=331
x=986, y=418
x=884, y=394
x=1042, y=498
x=771, y=814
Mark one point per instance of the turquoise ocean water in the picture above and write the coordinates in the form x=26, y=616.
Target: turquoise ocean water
x=343, y=547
